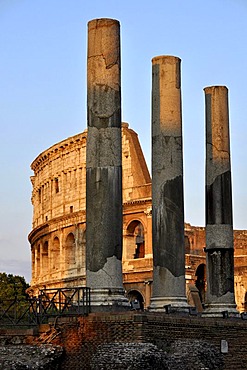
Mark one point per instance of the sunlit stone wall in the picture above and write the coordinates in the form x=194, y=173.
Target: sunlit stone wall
x=59, y=220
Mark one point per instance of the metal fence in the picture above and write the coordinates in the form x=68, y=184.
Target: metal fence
x=49, y=303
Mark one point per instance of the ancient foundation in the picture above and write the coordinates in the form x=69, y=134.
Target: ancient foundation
x=167, y=187
x=103, y=167
x=219, y=226
x=186, y=342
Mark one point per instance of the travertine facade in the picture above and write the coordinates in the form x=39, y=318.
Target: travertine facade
x=58, y=198
x=59, y=224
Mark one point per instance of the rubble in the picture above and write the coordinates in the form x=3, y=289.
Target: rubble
x=181, y=355
x=131, y=356
x=20, y=357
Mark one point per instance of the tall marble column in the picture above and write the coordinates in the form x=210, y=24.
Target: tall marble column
x=219, y=225
x=167, y=187
x=104, y=167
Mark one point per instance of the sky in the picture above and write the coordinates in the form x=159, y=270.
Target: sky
x=43, y=54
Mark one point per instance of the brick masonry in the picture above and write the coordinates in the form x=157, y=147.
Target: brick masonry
x=82, y=336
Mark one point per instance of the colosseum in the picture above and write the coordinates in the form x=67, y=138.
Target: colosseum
x=59, y=225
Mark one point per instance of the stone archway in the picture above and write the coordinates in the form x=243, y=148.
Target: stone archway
x=70, y=251
x=136, y=300
x=45, y=259
x=55, y=254
x=135, y=241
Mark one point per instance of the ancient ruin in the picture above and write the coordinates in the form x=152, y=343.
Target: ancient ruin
x=101, y=225
x=219, y=225
x=167, y=186
x=104, y=166
x=58, y=237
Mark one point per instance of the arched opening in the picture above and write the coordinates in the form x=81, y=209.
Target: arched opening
x=45, y=259
x=55, y=254
x=201, y=281
x=136, y=300
x=135, y=240
x=37, y=261
x=70, y=251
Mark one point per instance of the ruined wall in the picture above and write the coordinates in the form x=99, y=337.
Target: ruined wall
x=185, y=341
x=82, y=338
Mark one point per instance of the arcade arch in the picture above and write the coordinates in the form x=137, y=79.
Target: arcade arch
x=69, y=251
x=135, y=240
x=55, y=254
x=136, y=299
x=45, y=259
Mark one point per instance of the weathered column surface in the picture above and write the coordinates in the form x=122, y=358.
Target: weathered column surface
x=103, y=167
x=219, y=225
x=167, y=187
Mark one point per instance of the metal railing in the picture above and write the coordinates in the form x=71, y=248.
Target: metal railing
x=49, y=303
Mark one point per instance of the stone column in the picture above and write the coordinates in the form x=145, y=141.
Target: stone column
x=147, y=292
x=148, y=241
x=167, y=187
x=104, y=167
x=219, y=226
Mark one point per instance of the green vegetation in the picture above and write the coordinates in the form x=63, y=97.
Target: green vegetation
x=12, y=287
x=14, y=306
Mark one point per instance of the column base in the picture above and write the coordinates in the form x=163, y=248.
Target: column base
x=223, y=310
x=108, y=299
x=169, y=305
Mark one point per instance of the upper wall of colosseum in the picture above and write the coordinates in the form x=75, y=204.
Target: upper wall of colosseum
x=59, y=180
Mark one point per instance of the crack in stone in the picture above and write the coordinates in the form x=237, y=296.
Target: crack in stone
x=218, y=150
x=108, y=66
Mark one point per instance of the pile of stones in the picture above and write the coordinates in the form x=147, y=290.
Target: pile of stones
x=38, y=357
x=129, y=356
x=198, y=354
x=180, y=355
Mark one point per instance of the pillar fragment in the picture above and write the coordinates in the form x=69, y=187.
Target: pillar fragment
x=104, y=167
x=167, y=187
x=219, y=224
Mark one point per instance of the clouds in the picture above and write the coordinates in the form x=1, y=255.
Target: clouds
x=16, y=267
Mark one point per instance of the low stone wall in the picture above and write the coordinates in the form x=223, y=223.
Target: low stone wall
x=128, y=340
x=185, y=339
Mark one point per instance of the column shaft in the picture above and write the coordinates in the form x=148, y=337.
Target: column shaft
x=103, y=165
x=219, y=225
x=167, y=186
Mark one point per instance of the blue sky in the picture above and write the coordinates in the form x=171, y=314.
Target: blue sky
x=43, y=50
